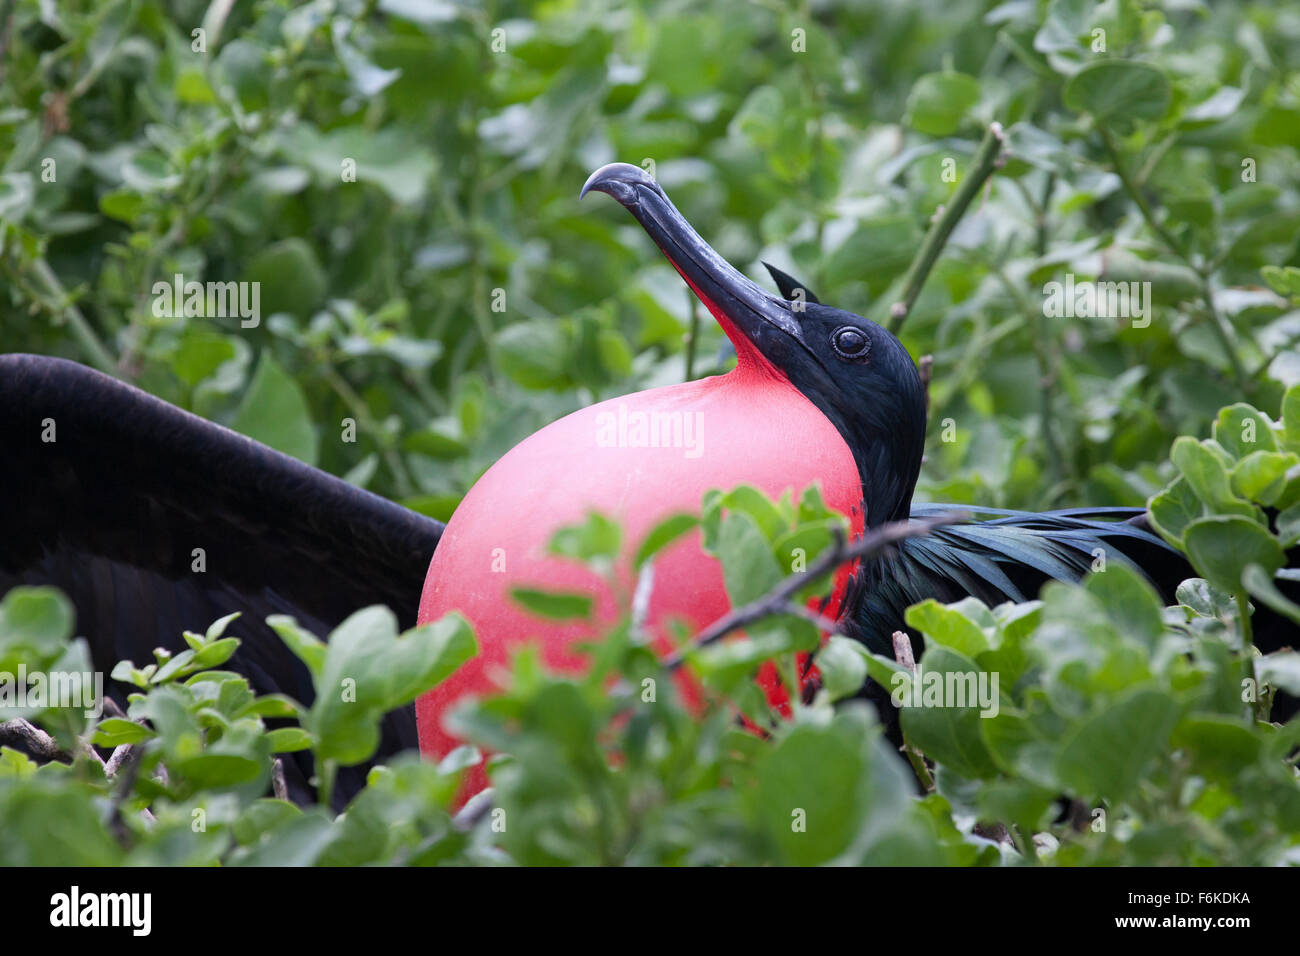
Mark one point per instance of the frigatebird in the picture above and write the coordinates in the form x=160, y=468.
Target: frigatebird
x=818, y=393
x=112, y=503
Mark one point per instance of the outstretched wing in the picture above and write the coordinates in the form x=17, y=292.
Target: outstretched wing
x=154, y=521
x=1004, y=556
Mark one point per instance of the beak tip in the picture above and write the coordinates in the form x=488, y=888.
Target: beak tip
x=618, y=180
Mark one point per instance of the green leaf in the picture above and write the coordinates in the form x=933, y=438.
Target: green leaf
x=307, y=647
x=216, y=653
x=808, y=794
x=191, y=86
x=1220, y=746
x=219, y=770
x=1200, y=598
x=1174, y=508
x=124, y=205
x=436, y=444
x=15, y=764
x=52, y=821
x=933, y=722
x=596, y=538
x=1109, y=754
x=1284, y=280
x=1206, y=473
x=947, y=626
x=767, y=515
x=1018, y=745
x=1281, y=669
x=1242, y=429
x=289, y=739
x=1260, y=585
x=1291, y=419
x=663, y=534
x=939, y=102
x=16, y=193
x=1130, y=602
x=114, y=731
x=535, y=354
x=274, y=411
x=1262, y=475
x=298, y=841
x=290, y=278
x=35, y=622
x=557, y=606
x=1221, y=546
x=1118, y=91
x=369, y=670
x=1288, y=526
x=843, y=668
x=748, y=566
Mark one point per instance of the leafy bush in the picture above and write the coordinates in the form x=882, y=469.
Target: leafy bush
x=1118, y=731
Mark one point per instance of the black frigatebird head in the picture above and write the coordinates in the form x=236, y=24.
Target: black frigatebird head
x=856, y=372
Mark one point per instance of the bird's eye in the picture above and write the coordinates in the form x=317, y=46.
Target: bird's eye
x=850, y=343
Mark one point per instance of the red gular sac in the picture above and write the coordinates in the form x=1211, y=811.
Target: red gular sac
x=639, y=459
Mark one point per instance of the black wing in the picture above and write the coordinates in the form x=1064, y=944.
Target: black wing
x=113, y=509
x=1008, y=556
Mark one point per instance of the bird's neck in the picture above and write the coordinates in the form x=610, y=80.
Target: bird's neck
x=886, y=440
x=889, y=463
x=885, y=433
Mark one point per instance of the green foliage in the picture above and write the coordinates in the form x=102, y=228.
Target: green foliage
x=1150, y=724
x=427, y=274
x=198, y=751
x=1235, y=504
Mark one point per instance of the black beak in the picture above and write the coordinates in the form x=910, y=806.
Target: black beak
x=732, y=298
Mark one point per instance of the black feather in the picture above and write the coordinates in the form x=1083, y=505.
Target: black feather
x=788, y=285
x=112, y=510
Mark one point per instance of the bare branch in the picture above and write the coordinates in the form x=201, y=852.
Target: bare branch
x=903, y=651
x=779, y=600
x=279, y=787
x=987, y=158
x=23, y=733
x=116, y=759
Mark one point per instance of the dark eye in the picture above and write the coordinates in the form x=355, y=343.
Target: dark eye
x=850, y=343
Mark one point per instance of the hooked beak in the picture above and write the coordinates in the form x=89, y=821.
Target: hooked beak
x=753, y=318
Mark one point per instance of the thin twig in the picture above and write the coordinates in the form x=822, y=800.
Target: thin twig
x=1134, y=190
x=58, y=302
x=126, y=784
x=779, y=599
x=1047, y=370
x=905, y=656
x=1139, y=199
x=985, y=162
x=279, y=786
x=116, y=759
x=475, y=809
x=645, y=584
x=903, y=651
